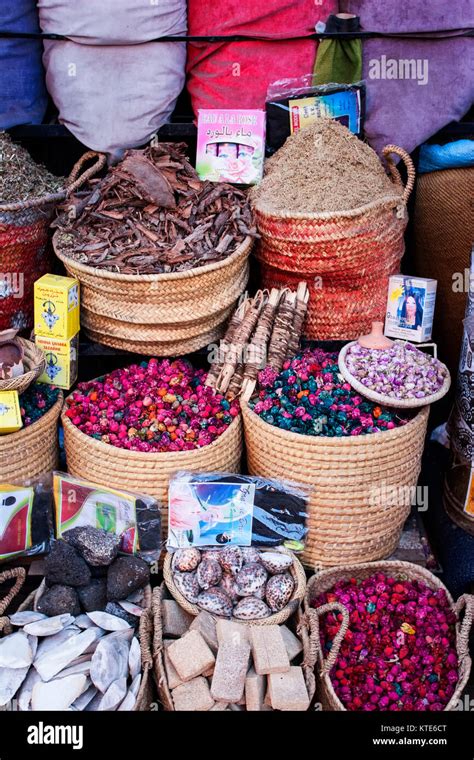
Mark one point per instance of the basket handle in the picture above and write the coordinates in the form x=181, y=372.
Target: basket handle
x=17, y=573
x=406, y=158
x=315, y=643
x=465, y=603
x=76, y=179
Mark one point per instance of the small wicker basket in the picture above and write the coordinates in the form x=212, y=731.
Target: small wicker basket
x=362, y=486
x=34, y=363
x=277, y=618
x=315, y=661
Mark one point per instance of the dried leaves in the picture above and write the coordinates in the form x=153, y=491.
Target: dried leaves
x=152, y=214
x=20, y=177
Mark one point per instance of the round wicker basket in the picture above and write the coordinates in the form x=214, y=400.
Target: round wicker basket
x=147, y=472
x=345, y=257
x=315, y=660
x=166, y=314
x=277, y=618
x=362, y=486
x=34, y=364
x=32, y=452
x=380, y=398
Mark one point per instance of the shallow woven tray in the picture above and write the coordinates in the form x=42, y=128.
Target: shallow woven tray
x=276, y=618
x=379, y=398
x=34, y=363
x=325, y=580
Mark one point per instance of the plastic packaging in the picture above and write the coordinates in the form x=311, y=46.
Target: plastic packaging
x=278, y=515
x=292, y=104
x=26, y=519
x=135, y=517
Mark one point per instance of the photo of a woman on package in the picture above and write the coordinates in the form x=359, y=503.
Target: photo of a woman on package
x=411, y=314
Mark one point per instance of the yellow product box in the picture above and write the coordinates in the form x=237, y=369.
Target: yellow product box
x=10, y=416
x=61, y=361
x=57, y=307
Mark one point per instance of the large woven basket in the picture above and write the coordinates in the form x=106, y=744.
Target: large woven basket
x=24, y=253
x=34, y=363
x=32, y=452
x=277, y=618
x=362, y=486
x=147, y=472
x=166, y=314
x=144, y=701
x=321, y=666
x=345, y=257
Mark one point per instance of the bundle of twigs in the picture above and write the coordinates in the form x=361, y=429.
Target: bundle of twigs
x=264, y=331
x=152, y=214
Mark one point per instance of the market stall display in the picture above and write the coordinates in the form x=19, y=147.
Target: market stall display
x=202, y=663
x=362, y=461
x=414, y=637
x=160, y=255
x=256, y=586
x=327, y=213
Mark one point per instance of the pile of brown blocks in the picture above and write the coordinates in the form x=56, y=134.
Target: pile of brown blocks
x=216, y=664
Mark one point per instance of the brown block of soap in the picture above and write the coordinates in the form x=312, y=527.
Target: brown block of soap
x=288, y=690
x=193, y=696
x=176, y=621
x=255, y=687
x=206, y=625
x=268, y=650
x=229, y=630
x=228, y=681
x=294, y=647
x=173, y=678
x=190, y=655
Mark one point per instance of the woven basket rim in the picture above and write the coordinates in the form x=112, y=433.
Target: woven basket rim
x=148, y=456
x=386, y=201
x=348, y=440
x=388, y=400
x=276, y=618
x=242, y=250
x=25, y=431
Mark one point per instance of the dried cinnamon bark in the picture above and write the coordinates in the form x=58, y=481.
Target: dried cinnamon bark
x=151, y=214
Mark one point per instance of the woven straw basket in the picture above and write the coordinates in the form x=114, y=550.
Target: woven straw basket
x=316, y=664
x=380, y=398
x=32, y=452
x=166, y=314
x=33, y=363
x=145, y=634
x=361, y=485
x=147, y=472
x=277, y=618
x=345, y=257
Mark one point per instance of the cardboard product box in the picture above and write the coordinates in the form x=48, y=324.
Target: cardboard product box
x=10, y=416
x=61, y=361
x=410, y=308
x=230, y=145
x=56, y=307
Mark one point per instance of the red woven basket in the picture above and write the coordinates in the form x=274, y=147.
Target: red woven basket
x=346, y=258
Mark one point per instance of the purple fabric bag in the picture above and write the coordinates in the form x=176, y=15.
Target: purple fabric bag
x=414, y=86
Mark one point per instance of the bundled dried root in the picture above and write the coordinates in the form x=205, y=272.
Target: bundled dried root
x=263, y=331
